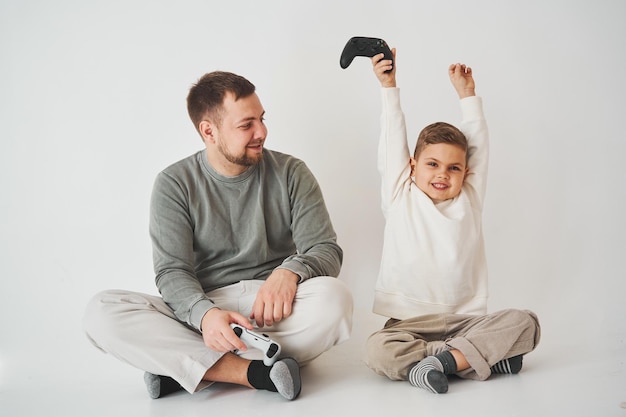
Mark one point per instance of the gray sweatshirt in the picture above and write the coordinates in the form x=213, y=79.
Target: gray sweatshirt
x=209, y=231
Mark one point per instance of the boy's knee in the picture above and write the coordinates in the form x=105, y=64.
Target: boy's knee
x=378, y=357
x=525, y=317
x=528, y=323
x=533, y=325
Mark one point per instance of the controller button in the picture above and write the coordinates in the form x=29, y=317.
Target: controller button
x=271, y=351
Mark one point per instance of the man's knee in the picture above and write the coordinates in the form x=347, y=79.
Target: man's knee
x=330, y=298
x=103, y=313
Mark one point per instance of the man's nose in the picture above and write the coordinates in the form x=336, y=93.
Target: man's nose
x=260, y=131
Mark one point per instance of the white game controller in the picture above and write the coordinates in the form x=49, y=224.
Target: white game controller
x=270, y=349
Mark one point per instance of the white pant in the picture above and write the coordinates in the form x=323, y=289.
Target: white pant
x=142, y=330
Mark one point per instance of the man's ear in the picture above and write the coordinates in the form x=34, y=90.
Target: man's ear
x=207, y=131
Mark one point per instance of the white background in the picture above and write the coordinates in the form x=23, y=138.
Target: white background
x=92, y=106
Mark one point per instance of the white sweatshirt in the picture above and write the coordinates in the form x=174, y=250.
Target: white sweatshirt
x=433, y=257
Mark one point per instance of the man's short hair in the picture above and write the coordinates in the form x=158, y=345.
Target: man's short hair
x=206, y=98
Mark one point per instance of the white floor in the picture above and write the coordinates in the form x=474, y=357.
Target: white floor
x=555, y=381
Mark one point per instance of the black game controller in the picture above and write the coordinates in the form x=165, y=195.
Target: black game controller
x=361, y=46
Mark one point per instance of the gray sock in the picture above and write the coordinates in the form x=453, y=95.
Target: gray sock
x=285, y=374
x=160, y=386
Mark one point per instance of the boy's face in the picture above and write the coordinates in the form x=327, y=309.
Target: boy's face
x=439, y=171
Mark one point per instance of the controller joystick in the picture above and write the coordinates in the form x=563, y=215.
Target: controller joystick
x=270, y=349
x=362, y=46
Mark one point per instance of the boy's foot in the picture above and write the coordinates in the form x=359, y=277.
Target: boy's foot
x=508, y=366
x=429, y=374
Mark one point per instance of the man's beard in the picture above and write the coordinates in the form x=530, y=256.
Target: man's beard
x=242, y=160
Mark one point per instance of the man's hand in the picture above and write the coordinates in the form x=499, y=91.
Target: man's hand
x=462, y=80
x=274, y=300
x=217, y=333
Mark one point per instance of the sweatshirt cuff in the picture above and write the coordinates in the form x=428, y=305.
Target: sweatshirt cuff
x=391, y=95
x=198, y=310
x=297, y=268
x=472, y=108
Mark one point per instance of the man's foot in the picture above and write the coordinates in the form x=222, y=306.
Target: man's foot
x=282, y=377
x=159, y=386
x=285, y=374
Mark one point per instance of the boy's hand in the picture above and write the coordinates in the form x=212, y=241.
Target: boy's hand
x=387, y=79
x=462, y=80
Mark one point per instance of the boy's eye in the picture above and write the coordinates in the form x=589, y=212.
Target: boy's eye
x=432, y=164
x=455, y=168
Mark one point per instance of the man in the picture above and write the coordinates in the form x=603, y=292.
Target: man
x=240, y=233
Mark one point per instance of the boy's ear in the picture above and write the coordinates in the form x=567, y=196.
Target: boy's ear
x=207, y=131
x=412, y=162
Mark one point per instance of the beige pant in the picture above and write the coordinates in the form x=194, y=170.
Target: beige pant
x=142, y=330
x=484, y=340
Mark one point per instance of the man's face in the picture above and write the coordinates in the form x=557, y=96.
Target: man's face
x=439, y=171
x=240, y=137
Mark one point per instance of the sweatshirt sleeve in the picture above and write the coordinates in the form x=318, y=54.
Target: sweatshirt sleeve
x=171, y=231
x=317, y=251
x=474, y=127
x=393, y=149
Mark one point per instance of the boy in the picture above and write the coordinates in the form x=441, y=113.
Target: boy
x=432, y=282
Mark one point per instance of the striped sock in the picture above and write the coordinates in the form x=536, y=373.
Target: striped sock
x=430, y=372
x=508, y=366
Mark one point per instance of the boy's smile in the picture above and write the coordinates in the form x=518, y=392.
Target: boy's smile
x=439, y=171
